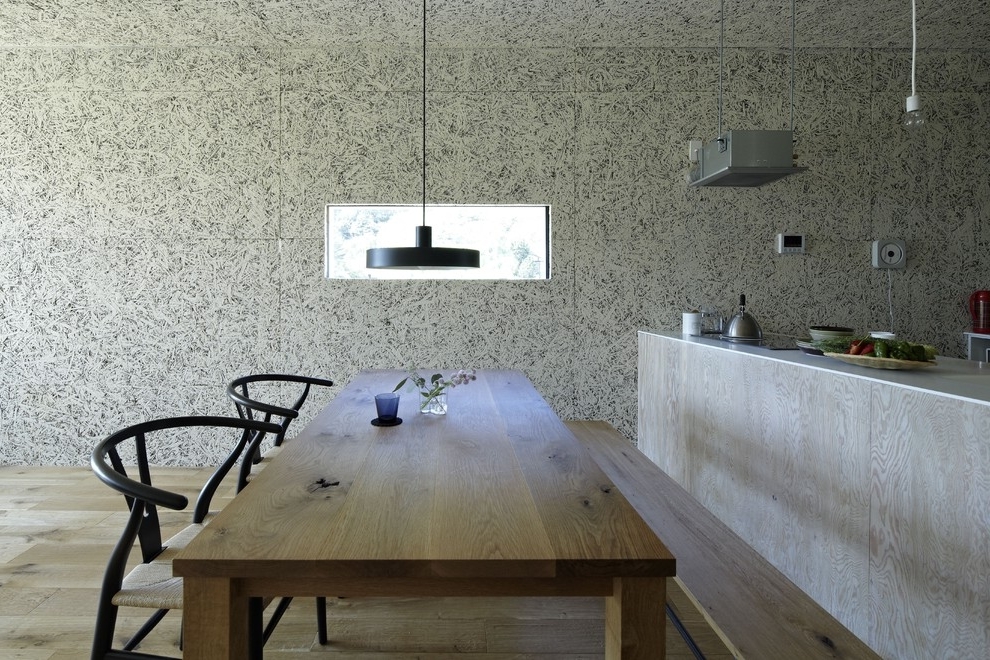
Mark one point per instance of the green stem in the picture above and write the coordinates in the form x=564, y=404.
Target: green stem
x=429, y=395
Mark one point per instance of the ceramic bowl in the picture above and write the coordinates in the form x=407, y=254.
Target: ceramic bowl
x=820, y=332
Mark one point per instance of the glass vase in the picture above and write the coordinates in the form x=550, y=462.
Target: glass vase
x=435, y=405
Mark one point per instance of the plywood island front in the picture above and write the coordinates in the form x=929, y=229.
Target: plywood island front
x=870, y=489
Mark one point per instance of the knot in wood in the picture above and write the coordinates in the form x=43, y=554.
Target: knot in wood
x=322, y=483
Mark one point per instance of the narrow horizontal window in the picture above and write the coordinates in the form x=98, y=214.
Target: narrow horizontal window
x=514, y=240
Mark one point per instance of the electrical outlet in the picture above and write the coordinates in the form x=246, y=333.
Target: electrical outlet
x=694, y=148
x=889, y=253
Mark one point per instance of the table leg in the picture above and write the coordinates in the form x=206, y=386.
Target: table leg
x=635, y=624
x=214, y=620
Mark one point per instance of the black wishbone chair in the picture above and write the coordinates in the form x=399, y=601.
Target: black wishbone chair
x=150, y=584
x=249, y=408
x=239, y=391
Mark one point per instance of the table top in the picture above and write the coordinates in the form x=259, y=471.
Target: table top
x=498, y=487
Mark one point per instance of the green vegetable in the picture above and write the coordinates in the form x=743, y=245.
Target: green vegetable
x=882, y=348
x=905, y=350
x=835, y=345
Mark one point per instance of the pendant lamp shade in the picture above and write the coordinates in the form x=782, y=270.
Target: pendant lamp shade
x=424, y=256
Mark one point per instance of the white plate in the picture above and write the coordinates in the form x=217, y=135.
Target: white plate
x=880, y=363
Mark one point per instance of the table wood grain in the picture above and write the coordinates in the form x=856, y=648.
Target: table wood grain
x=495, y=498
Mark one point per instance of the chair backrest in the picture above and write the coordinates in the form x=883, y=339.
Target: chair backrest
x=248, y=407
x=132, y=448
x=110, y=459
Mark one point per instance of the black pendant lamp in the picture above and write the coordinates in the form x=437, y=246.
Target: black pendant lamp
x=424, y=256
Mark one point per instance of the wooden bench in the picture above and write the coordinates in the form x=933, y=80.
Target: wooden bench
x=756, y=610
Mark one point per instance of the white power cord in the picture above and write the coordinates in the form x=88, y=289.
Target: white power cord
x=914, y=43
x=912, y=105
x=890, y=298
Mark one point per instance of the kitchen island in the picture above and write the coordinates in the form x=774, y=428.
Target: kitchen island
x=870, y=489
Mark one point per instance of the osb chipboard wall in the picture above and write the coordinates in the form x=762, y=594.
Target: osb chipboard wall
x=163, y=177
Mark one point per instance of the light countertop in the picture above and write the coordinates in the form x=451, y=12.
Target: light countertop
x=953, y=377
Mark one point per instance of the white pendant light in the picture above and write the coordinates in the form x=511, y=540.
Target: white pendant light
x=914, y=118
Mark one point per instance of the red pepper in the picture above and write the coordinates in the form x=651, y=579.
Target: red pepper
x=861, y=347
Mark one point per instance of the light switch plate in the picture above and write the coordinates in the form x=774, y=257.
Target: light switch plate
x=889, y=253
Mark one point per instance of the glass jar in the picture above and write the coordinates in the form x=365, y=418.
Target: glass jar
x=435, y=405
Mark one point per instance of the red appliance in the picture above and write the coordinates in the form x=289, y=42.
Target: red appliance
x=979, y=308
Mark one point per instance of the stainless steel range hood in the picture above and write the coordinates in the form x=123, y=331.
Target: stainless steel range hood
x=745, y=159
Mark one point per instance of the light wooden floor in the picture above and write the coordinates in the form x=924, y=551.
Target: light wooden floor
x=58, y=525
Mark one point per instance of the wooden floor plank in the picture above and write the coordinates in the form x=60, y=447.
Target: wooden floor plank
x=52, y=558
x=30, y=654
x=574, y=637
x=60, y=602
x=23, y=601
x=12, y=497
x=467, y=608
x=365, y=655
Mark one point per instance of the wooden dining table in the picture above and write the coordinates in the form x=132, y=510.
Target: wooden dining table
x=495, y=498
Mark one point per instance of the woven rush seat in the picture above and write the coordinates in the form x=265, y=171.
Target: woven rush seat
x=152, y=585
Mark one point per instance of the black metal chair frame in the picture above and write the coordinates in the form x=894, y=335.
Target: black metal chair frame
x=238, y=390
x=143, y=500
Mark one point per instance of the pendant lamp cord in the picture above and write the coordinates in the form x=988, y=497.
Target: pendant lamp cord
x=424, y=113
x=914, y=42
x=793, y=51
x=890, y=298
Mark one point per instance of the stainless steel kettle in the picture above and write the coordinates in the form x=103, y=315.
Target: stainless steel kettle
x=742, y=326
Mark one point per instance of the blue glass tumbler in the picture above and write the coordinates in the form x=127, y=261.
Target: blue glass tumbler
x=387, y=406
